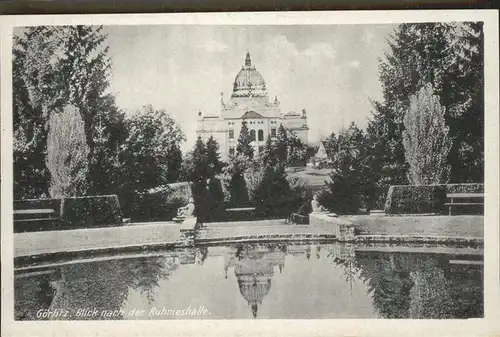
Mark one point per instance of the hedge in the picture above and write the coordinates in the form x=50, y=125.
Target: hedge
x=161, y=205
x=91, y=211
x=413, y=199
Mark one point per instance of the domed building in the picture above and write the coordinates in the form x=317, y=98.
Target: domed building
x=249, y=102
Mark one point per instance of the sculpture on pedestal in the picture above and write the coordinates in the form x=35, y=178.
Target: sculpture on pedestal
x=186, y=211
x=316, y=207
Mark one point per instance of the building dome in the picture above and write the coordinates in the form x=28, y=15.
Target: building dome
x=254, y=288
x=249, y=82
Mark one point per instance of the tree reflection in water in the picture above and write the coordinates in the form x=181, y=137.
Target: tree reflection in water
x=103, y=285
x=418, y=286
x=31, y=295
x=146, y=272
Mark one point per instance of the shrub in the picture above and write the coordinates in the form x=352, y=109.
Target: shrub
x=91, y=211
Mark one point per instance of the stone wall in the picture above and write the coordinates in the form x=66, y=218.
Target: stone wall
x=342, y=229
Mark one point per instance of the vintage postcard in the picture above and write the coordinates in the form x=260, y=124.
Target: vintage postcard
x=250, y=173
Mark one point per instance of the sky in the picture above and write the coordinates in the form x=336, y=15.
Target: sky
x=329, y=70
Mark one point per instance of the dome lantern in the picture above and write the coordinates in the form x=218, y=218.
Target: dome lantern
x=248, y=60
x=249, y=82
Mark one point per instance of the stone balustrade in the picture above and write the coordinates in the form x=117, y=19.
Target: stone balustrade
x=342, y=229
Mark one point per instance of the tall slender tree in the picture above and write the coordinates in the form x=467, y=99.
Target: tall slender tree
x=426, y=139
x=281, y=145
x=244, y=145
x=213, y=156
x=67, y=154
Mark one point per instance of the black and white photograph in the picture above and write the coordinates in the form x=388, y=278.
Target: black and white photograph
x=254, y=171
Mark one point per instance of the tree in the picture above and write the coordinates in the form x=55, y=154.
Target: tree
x=426, y=139
x=272, y=196
x=213, y=157
x=296, y=150
x=238, y=189
x=349, y=188
x=269, y=156
x=174, y=163
x=35, y=95
x=67, y=154
x=281, y=145
x=146, y=153
x=244, y=145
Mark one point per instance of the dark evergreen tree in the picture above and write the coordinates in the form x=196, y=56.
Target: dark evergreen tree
x=174, y=163
x=200, y=172
x=351, y=181
x=244, y=146
x=269, y=157
x=238, y=189
x=281, y=145
x=330, y=144
x=213, y=157
x=273, y=195
x=215, y=200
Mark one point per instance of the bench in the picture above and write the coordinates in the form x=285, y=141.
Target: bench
x=240, y=213
x=464, y=199
x=29, y=220
x=28, y=213
x=297, y=219
x=240, y=209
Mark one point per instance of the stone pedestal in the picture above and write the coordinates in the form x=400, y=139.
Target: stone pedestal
x=188, y=231
x=187, y=256
x=342, y=229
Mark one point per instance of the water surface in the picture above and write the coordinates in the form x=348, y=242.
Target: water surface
x=271, y=281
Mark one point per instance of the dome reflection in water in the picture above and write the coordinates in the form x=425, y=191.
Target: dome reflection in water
x=245, y=281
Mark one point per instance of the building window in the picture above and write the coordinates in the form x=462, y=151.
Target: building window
x=231, y=150
x=273, y=132
x=261, y=149
x=252, y=134
x=231, y=134
x=261, y=135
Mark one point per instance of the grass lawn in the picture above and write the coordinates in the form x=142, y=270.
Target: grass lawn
x=311, y=176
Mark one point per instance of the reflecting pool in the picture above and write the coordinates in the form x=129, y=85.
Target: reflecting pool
x=245, y=281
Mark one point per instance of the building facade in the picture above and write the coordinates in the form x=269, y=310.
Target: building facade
x=249, y=102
